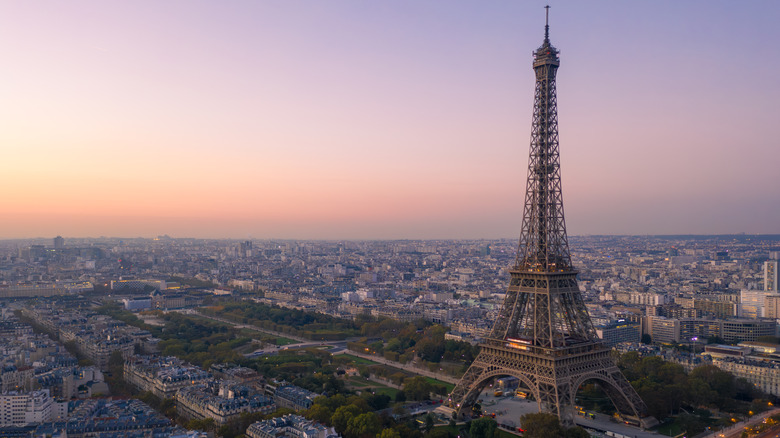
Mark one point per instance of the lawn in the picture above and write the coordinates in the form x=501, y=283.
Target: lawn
x=674, y=428
x=505, y=434
x=363, y=384
x=359, y=360
x=285, y=341
x=670, y=429
x=359, y=381
x=386, y=390
x=447, y=385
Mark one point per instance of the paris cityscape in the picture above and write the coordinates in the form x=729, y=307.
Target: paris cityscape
x=265, y=288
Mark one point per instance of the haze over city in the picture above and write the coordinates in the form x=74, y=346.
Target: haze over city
x=355, y=120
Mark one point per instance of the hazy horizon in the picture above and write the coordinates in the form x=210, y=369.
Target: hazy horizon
x=361, y=121
x=69, y=239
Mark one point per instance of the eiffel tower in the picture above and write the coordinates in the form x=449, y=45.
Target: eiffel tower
x=543, y=334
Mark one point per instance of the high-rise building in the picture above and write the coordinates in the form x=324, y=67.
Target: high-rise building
x=770, y=275
x=772, y=306
x=751, y=303
x=543, y=334
x=59, y=242
x=245, y=249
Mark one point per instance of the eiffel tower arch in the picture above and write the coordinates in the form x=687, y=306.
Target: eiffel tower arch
x=543, y=334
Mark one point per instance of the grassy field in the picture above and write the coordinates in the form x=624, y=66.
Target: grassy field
x=360, y=360
x=671, y=429
x=359, y=382
x=390, y=392
x=363, y=384
x=504, y=434
x=285, y=341
x=447, y=385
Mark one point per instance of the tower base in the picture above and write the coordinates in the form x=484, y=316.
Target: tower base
x=553, y=376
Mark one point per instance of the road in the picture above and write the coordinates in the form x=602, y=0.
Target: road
x=736, y=430
x=772, y=432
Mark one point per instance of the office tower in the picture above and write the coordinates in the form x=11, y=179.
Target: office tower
x=770, y=275
x=543, y=334
x=59, y=242
x=245, y=249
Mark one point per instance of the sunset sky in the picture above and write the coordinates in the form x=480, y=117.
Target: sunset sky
x=354, y=119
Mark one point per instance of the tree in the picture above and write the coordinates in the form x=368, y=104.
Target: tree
x=691, y=424
x=647, y=339
x=207, y=424
x=319, y=413
x=576, y=432
x=417, y=388
x=428, y=422
x=360, y=403
x=377, y=347
x=439, y=433
x=363, y=426
x=721, y=382
x=377, y=402
x=389, y=433
x=399, y=410
x=699, y=392
x=168, y=408
x=541, y=425
x=483, y=428
x=342, y=415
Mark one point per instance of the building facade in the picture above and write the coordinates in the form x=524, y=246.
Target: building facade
x=220, y=401
x=290, y=426
x=22, y=408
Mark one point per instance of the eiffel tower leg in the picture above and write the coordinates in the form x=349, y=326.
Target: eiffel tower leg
x=623, y=396
x=485, y=367
x=626, y=400
x=557, y=399
x=466, y=391
x=548, y=398
x=565, y=402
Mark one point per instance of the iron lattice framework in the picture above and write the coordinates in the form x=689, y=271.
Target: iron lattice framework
x=543, y=334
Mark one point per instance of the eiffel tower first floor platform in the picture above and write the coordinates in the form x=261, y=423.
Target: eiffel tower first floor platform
x=553, y=376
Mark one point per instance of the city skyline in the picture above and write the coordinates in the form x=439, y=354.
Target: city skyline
x=402, y=120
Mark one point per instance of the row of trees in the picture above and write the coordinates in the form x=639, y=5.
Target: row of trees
x=310, y=325
x=421, y=338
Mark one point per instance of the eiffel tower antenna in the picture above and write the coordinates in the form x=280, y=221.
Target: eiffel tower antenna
x=547, y=24
x=543, y=334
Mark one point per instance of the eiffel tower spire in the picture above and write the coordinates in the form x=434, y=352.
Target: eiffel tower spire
x=543, y=334
x=543, y=242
